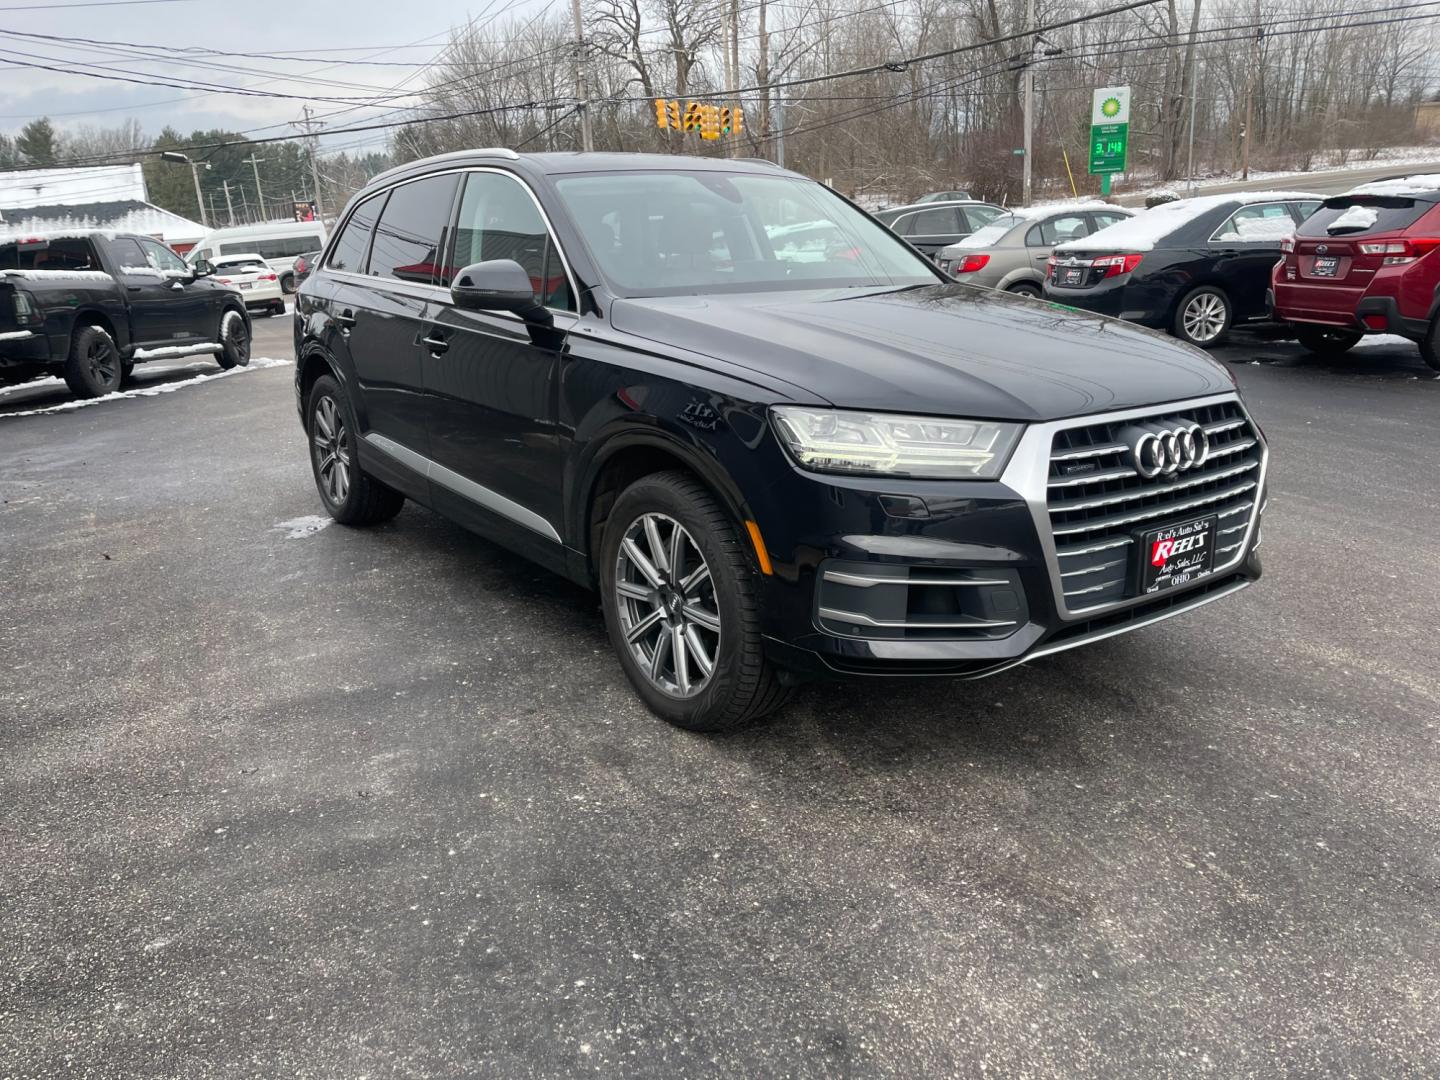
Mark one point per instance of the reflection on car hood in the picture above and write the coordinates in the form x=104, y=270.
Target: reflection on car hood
x=944, y=349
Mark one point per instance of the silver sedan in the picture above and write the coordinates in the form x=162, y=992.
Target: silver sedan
x=1010, y=252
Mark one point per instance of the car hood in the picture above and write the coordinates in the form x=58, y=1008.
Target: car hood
x=952, y=350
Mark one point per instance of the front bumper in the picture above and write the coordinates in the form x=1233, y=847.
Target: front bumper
x=957, y=578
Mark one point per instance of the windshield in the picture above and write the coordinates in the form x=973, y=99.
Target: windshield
x=676, y=233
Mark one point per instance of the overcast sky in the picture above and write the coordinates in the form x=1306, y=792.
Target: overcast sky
x=393, y=31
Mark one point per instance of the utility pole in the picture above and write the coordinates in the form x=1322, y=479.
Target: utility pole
x=1025, y=183
x=582, y=93
x=735, y=66
x=1194, y=94
x=313, y=140
x=229, y=203
x=254, y=163
x=199, y=200
x=213, y=216
x=780, y=129
x=1250, y=98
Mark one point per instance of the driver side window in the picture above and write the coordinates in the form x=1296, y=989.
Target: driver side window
x=163, y=259
x=499, y=220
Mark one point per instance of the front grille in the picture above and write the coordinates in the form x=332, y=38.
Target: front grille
x=1098, y=503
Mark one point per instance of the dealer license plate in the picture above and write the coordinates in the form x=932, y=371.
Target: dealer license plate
x=1071, y=275
x=1176, y=555
x=245, y=284
x=1325, y=266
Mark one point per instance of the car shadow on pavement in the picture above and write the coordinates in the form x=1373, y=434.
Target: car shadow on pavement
x=1382, y=356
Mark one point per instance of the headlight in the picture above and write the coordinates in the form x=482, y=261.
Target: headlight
x=832, y=440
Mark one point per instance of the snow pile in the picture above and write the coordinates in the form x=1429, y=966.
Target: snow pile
x=1357, y=218
x=59, y=275
x=1145, y=230
x=256, y=364
x=178, y=350
x=1253, y=229
x=1409, y=185
x=16, y=335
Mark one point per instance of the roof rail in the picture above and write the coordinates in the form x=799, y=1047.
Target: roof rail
x=483, y=151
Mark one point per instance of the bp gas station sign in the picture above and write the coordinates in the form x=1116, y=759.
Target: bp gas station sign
x=1109, y=132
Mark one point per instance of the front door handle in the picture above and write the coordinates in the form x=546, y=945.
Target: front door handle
x=436, y=344
x=346, y=319
x=177, y=286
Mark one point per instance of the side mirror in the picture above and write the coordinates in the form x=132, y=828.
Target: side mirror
x=201, y=268
x=498, y=285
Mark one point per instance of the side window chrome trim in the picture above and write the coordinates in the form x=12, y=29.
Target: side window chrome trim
x=460, y=194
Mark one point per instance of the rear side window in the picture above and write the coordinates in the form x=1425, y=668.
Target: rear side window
x=1354, y=215
x=354, y=240
x=72, y=254
x=1263, y=223
x=939, y=222
x=1105, y=220
x=411, y=232
x=1061, y=230
x=499, y=220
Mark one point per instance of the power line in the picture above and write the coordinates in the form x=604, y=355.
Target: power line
x=89, y=4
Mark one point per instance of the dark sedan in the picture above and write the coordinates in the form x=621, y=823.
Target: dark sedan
x=1194, y=267
x=934, y=225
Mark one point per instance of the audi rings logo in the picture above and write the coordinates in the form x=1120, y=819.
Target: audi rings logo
x=1161, y=451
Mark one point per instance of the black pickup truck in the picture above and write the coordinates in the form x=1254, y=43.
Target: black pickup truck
x=90, y=306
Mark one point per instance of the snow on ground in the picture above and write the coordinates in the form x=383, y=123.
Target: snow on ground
x=301, y=527
x=256, y=364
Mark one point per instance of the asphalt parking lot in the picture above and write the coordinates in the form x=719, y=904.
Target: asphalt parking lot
x=285, y=799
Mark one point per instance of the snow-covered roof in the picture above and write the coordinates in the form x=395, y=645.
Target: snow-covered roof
x=129, y=216
x=1029, y=213
x=27, y=188
x=1409, y=185
x=1146, y=229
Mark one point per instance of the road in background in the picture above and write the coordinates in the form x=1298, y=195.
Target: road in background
x=1321, y=182
x=282, y=797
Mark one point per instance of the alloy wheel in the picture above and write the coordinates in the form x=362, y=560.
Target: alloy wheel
x=330, y=443
x=1204, y=317
x=103, y=361
x=665, y=597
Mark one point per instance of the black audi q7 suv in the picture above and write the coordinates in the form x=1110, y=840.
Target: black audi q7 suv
x=778, y=452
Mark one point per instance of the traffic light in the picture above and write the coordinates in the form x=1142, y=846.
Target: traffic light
x=673, y=112
x=710, y=124
x=737, y=121
x=694, y=115
x=662, y=113
x=724, y=119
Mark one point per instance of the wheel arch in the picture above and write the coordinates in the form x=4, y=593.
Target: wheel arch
x=313, y=364
x=624, y=457
x=96, y=317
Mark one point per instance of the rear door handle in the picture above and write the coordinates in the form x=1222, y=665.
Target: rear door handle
x=436, y=344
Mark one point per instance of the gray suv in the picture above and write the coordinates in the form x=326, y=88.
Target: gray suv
x=1010, y=252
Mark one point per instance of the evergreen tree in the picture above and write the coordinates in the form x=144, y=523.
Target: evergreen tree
x=38, y=143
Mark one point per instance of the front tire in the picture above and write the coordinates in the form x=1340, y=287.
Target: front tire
x=234, y=340
x=94, y=367
x=1327, y=341
x=350, y=496
x=682, y=606
x=1203, y=317
x=287, y=283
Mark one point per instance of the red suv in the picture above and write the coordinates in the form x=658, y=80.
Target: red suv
x=1364, y=263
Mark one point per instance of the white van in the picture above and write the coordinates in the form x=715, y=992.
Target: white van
x=278, y=243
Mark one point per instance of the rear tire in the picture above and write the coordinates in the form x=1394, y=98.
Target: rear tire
x=1025, y=288
x=234, y=340
x=1326, y=341
x=1203, y=317
x=287, y=283
x=1430, y=346
x=350, y=496
x=93, y=368
x=705, y=612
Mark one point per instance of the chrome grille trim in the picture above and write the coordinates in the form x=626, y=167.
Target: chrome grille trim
x=902, y=624
x=1075, y=536
x=866, y=581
